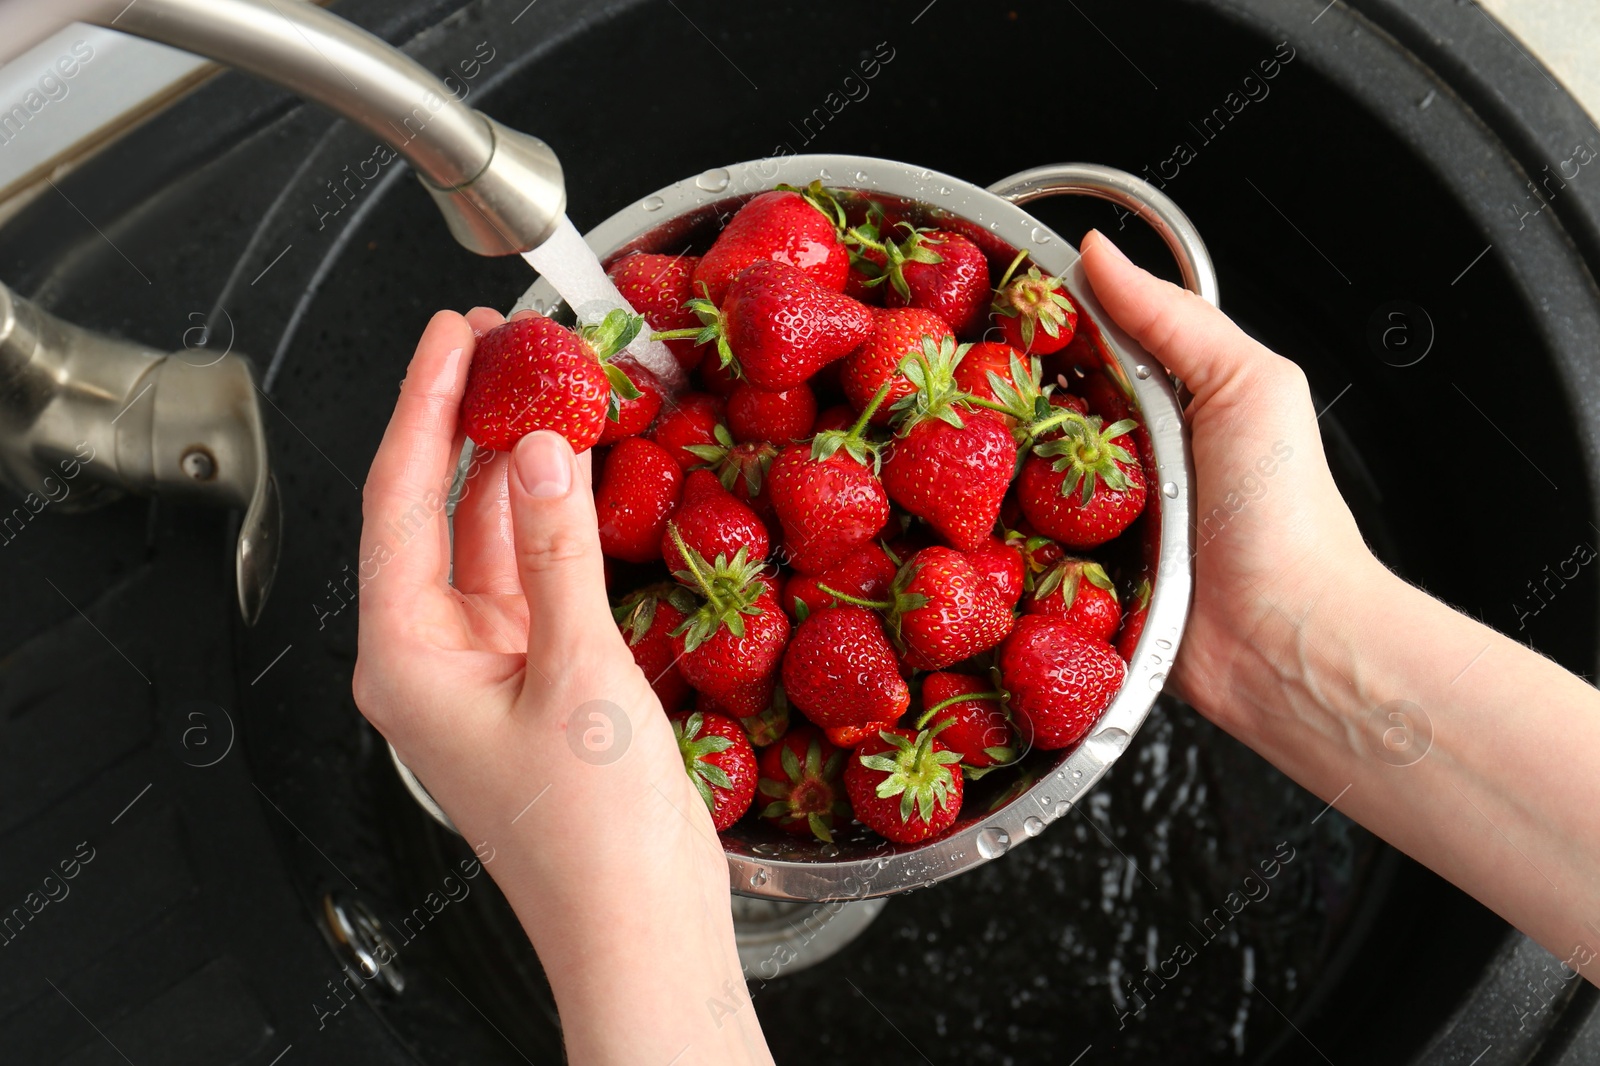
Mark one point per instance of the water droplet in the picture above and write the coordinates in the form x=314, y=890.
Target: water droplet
x=1158, y=681
x=945, y=190
x=1040, y=235
x=764, y=848
x=758, y=878
x=861, y=175
x=1141, y=371
x=824, y=175
x=993, y=842
x=652, y=203
x=829, y=851
x=995, y=224
x=1062, y=808
x=1170, y=490
x=714, y=180
x=1032, y=826
x=1044, y=802
x=924, y=174
x=1076, y=774
x=1108, y=743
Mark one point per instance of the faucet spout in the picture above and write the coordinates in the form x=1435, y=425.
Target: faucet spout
x=501, y=191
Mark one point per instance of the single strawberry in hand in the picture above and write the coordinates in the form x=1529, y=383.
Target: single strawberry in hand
x=904, y=785
x=940, y=609
x=866, y=573
x=638, y=491
x=1033, y=311
x=936, y=270
x=647, y=618
x=533, y=373
x=799, y=228
x=1001, y=563
x=840, y=670
x=691, y=420
x=720, y=762
x=731, y=646
x=896, y=334
x=1059, y=680
x=1085, y=487
x=1079, y=592
x=711, y=522
x=1133, y=621
x=634, y=415
x=776, y=327
x=828, y=496
x=758, y=415
x=950, y=465
x=802, y=785
x=968, y=715
x=660, y=287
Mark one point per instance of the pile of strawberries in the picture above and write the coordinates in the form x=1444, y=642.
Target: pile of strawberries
x=857, y=545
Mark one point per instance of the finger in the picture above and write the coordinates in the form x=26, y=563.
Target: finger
x=404, y=539
x=558, y=554
x=1191, y=338
x=485, y=542
x=483, y=319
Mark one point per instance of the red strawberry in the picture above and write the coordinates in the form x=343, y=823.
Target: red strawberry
x=950, y=464
x=776, y=327
x=1001, y=564
x=692, y=420
x=840, y=670
x=802, y=785
x=714, y=524
x=799, y=228
x=634, y=415
x=828, y=496
x=903, y=785
x=742, y=469
x=637, y=493
x=647, y=618
x=940, y=609
x=758, y=415
x=866, y=573
x=659, y=287
x=532, y=373
x=896, y=333
x=938, y=271
x=1085, y=487
x=763, y=727
x=1032, y=310
x=839, y=416
x=968, y=716
x=731, y=646
x=717, y=379
x=851, y=736
x=720, y=762
x=1059, y=680
x=982, y=359
x=1133, y=621
x=1078, y=592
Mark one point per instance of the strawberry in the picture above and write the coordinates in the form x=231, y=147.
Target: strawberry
x=950, y=465
x=1085, y=487
x=799, y=228
x=720, y=762
x=741, y=468
x=1078, y=592
x=711, y=522
x=776, y=327
x=1059, y=680
x=968, y=716
x=982, y=359
x=828, y=496
x=717, y=379
x=940, y=609
x=902, y=786
x=896, y=333
x=936, y=270
x=647, y=617
x=638, y=492
x=691, y=421
x=533, y=373
x=839, y=416
x=758, y=415
x=1038, y=553
x=866, y=572
x=731, y=646
x=1001, y=564
x=802, y=785
x=763, y=727
x=1133, y=621
x=1033, y=313
x=852, y=736
x=840, y=670
x=659, y=287
x=634, y=415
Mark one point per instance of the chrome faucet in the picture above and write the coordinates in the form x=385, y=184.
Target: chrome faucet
x=190, y=429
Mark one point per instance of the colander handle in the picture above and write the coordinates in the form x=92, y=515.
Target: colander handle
x=1126, y=190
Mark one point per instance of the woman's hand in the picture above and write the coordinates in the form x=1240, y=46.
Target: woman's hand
x=507, y=687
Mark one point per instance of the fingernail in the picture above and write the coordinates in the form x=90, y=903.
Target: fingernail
x=544, y=464
x=1111, y=245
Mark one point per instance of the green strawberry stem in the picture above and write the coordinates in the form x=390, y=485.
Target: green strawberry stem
x=927, y=715
x=1060, y=418
x=825, y=444
x=868, y=411
x=979, y=401
x=692, y=559
x=878, y=605
x=1012, y=269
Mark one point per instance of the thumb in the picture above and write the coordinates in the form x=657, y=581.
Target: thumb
x=1191, y=338
x=557, y=551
